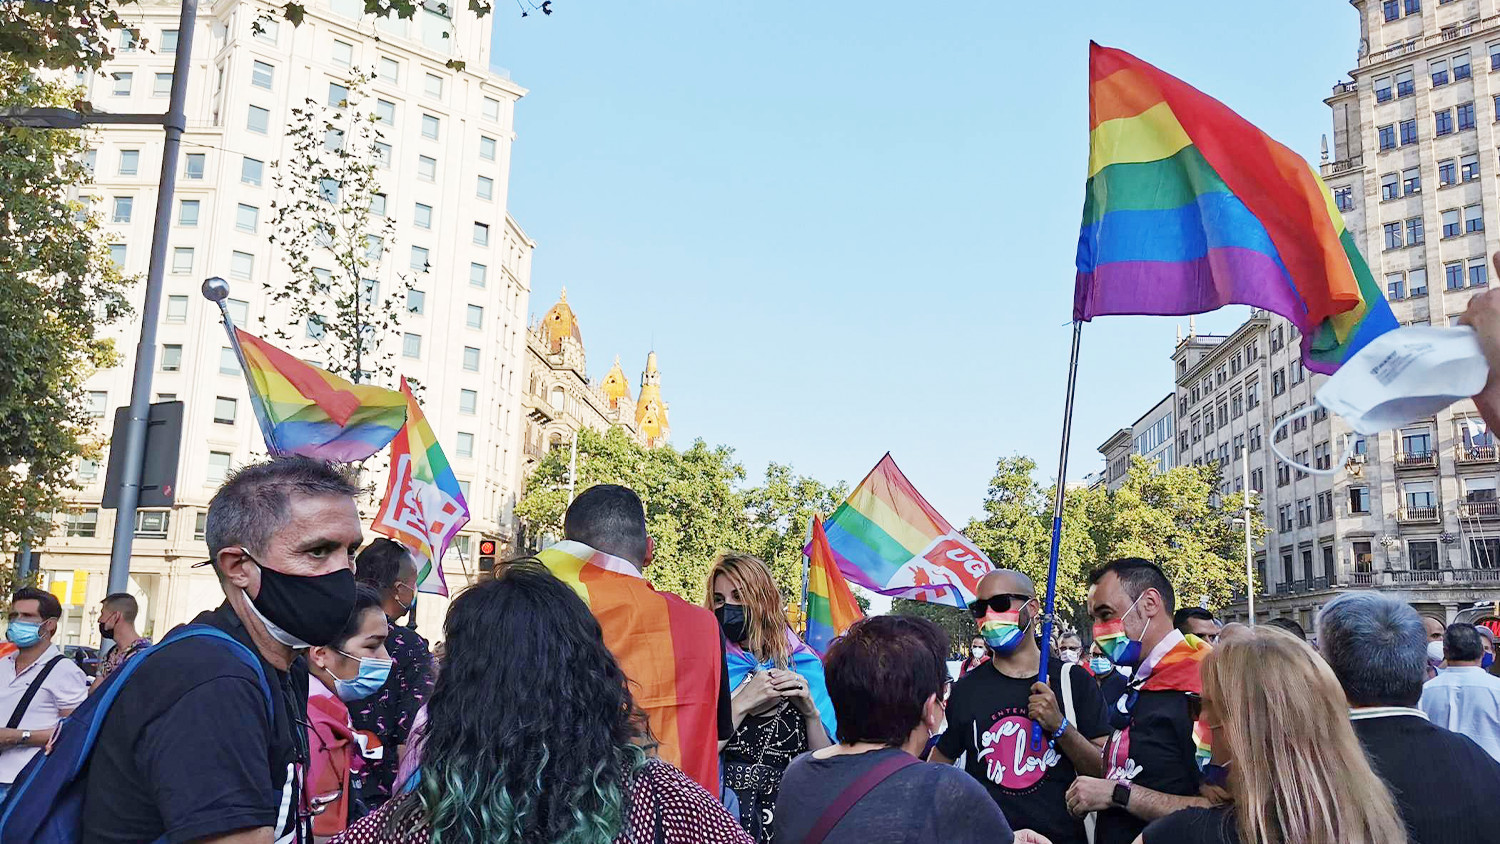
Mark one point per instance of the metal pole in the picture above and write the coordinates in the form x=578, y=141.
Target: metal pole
x=1057, y=514
x=573, y=469
x=806, y=566
x=145, y=352
x=1249, y=568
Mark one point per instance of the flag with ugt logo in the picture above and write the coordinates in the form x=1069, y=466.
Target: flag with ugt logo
x=888, y=539
x=424, y=507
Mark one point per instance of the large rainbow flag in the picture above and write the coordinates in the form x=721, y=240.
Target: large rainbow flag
x=312, y=412
x=669, y=650
x=831, y=607
x=1189, y=208
x=424, y=507
x=888, y=539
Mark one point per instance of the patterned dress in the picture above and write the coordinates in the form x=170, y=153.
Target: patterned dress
x=666, y=807
x=754, y=760
x=387, y=715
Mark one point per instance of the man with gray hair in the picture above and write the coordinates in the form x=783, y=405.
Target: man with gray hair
x=1376, y=647
x=188, y=752
x=1464, y=697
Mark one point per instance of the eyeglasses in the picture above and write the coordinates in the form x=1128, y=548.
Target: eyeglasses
x=998, y=603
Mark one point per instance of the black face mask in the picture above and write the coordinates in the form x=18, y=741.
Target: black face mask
x=732, y=622
x=107, y=634
x=314, y=609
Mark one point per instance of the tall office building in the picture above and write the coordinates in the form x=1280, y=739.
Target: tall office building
x=444, y=170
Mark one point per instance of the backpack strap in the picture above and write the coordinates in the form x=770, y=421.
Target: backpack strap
x=1067, y=694
x=31, y=691
x=856, y=790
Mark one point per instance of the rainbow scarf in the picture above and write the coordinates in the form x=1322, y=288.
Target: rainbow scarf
x=831, y=607
x=424, y=507
x=888, y=539
x=1178, y=669
x=1189, y=208
x=312, y=412
x=668, y=649
x=805, y=661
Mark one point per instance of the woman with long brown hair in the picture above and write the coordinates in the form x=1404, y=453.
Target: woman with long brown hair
x=780, y=705
x=1296, y=773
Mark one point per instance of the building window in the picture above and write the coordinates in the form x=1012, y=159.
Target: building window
x=239, y=311
x=1411, y=181
x=474, y=316
x=485, y=189
x=1479, y=273
x=482, y=234
x=338, y=95
x=171, y=357
x=1408, y=131
x=182, y=260
x=1392, y=9
x=122, y=82
x=1423, y=554
x=218, y=466
x=1438, y=68
x=246, y=218
x=1284, y=523
x=130, y=162
x=1461, y=67
x=1447, y=173
x=1466, y=115
x=389, y=69
x=187, y=213
x=1325, y=506
x=468, y=402
x=477, y=274
x=1406, y=83
x=262, y=74
x=97, y=403
x=1255, y=439
x=419, y=259
x=177, y=308
x=266, y=29
x=1443, y=121
x=377, y=204
x=152, y=524
x=1252, y=395
x=411, y=345
x=491, y=109
x=117, y=254
x=224, y=410
x=241, y=264
x=251, y=171
x=383, y=154
x=84, y=523
x=1387, y=137
x=432, y=86
x=1278, y=382
x=161, y=85
x=1383, y=92
x=124, y=206
x=422, y=217
x=464, y=444
x=1417, y=282
x=343, y=53
x=258, y=120
x=1415, y=236
x=228, y=363
x=169, y=41
x=430, y=127
x=1322, y=456
x=416, y=301
x=1390, y=186
x=471, y=359
x=1392, y=235
x=1473, y=218
x=1452, y=227
x=374, y=246
x=385, y=112
x=486, y=148
x=426, y=168
x=315, y=327
x=1469, y=167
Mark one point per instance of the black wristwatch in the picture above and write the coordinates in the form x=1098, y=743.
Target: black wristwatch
x=1121, y=796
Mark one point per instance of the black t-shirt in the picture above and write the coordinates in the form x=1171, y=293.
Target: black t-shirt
x=186, y=752
x=1156, y=751
x=1195, y=826
x=1111, y=688
x=726, y=707
x=1443, y=783
x=987, y=723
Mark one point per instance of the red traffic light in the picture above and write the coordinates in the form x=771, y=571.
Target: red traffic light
x=486, y=547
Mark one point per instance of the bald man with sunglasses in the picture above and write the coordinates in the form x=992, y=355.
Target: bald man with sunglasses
x=992, y=709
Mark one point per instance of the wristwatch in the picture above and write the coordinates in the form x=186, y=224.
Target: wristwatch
x=1121, y=796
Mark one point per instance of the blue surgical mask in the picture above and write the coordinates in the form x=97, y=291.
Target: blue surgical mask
x=372, y=675
x=1100, y=665
x=1486, y=661
x=24, y=634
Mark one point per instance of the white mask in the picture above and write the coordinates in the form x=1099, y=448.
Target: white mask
x=1434, y=652
x=977, y=652
x=1069, y=654
x=1405, y=375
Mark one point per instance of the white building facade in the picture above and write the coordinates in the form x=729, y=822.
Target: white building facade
x=445, y=176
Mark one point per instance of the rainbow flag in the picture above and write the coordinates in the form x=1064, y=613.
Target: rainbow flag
x=831, y=607
x=312, y=412
x=1189, y=208
x=888, y=539
x=424, y=507
x=1203, y=743
x=668, y=649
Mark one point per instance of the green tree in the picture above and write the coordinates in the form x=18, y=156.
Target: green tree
x=780, y=510
x=58, y=289
x=957, y=623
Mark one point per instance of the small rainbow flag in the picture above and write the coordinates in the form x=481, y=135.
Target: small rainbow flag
x=1189, y=208
x=1203, y=743
x=424, y=507
x=312, y=412
x=831, y=607
x=888, y=539
x=668, y=649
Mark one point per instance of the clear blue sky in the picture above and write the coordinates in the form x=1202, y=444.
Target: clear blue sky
x=849, y=227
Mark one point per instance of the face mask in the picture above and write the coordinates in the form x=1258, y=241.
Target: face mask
x=24, y=634
x=1486, y=661
x=405, y=607
x=310, y=610
x=1100, y=665
x=1405, y=375
x=373, y=673
x=105, y=632
x=732, y=622
x=1002, y=631
x=1434, y=652
x=1113, y=640
x=978, y=652
x=1069, y=654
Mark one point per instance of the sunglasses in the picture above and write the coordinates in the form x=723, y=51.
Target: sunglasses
x=998, y=603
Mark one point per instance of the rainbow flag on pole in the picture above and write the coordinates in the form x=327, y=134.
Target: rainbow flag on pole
x=831, y=607
x=888, y=539
x=1189, y=208
x=424, y=507
x=312, y=412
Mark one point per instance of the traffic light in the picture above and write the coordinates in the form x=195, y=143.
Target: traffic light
x=487, y=555
x=795, y=618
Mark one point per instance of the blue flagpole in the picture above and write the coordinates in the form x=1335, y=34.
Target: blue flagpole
x=1057, y=513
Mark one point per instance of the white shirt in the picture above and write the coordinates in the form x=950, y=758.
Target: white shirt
x=1466, y=700
x=64, y=688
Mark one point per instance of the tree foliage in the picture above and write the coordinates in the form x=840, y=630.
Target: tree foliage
x=957, y=623
x=334, y=234
x=58, y=289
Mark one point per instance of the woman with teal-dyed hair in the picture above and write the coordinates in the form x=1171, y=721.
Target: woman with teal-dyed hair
x=532, y=736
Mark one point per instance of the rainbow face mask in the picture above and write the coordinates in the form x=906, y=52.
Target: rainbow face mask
x=1112, y=639
x=1002, y=631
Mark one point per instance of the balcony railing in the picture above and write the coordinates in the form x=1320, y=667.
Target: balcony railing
x=1482, y=575
x=1475, y=454
x=1283, y=588
x=1479, y=509
x=1319, y=583
x=1334, y=168
x=1416, y=460
x=1419, y=576
x=1362, y=578
x=1442, y=37
x=1417, y=514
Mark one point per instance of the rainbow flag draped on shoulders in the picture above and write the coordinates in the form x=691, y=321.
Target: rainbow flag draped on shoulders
x=888, y=539
x=805, y=661
x=424, y=507
x=1189, y=208
x=668, y=649
x=831, y=607
x=305, y=410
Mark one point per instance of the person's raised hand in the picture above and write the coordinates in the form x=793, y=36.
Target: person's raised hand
x=1041, y=707
x=793, y=687
x=756, y=694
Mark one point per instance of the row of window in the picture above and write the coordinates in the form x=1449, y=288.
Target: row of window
x=1442, y=71
x=1456, y=223
x=1393, y=8
x=1413, y=282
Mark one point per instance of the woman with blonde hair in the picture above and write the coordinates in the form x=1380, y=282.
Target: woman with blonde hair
x=780, y=704
x=1296, y=773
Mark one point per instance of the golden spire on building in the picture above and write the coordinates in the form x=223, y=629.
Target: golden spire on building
x=560, y=323
x=615, y=386
x=650, y=410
